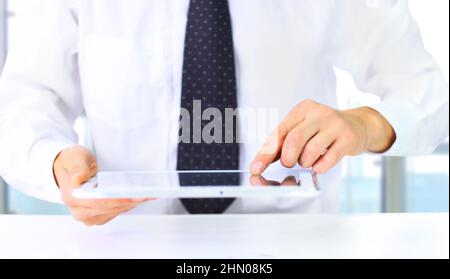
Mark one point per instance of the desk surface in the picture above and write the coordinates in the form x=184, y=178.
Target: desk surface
x=229, y=236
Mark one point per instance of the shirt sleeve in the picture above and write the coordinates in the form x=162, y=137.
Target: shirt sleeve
x=379, y=44
x=39, y=96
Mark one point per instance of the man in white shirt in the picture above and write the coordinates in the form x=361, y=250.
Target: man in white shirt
x=123, y=62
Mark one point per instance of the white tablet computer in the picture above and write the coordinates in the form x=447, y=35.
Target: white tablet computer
x=199, y=184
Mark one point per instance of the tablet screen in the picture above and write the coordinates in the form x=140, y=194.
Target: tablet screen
x=234, y=183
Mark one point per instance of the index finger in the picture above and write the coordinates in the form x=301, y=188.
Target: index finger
x=271, y=149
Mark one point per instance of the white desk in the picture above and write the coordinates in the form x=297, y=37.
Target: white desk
x=229, y=236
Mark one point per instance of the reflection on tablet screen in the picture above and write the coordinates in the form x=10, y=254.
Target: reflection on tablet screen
x=206, y=178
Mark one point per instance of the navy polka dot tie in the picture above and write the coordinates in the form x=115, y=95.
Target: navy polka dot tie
x=208, y=76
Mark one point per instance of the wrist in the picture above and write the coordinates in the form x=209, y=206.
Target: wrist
x=379, y=132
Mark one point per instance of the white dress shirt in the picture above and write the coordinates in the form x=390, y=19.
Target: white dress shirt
x=121, y=62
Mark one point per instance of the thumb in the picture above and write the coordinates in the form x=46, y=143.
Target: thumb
x=81, y=165
x=81, y=176
x=81, y=172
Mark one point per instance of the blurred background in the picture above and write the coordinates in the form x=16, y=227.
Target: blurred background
x=371, y=183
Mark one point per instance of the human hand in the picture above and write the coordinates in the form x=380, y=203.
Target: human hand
x=317, y=136
x=73, y=167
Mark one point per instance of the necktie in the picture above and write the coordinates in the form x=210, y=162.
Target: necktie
x=209, y=78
